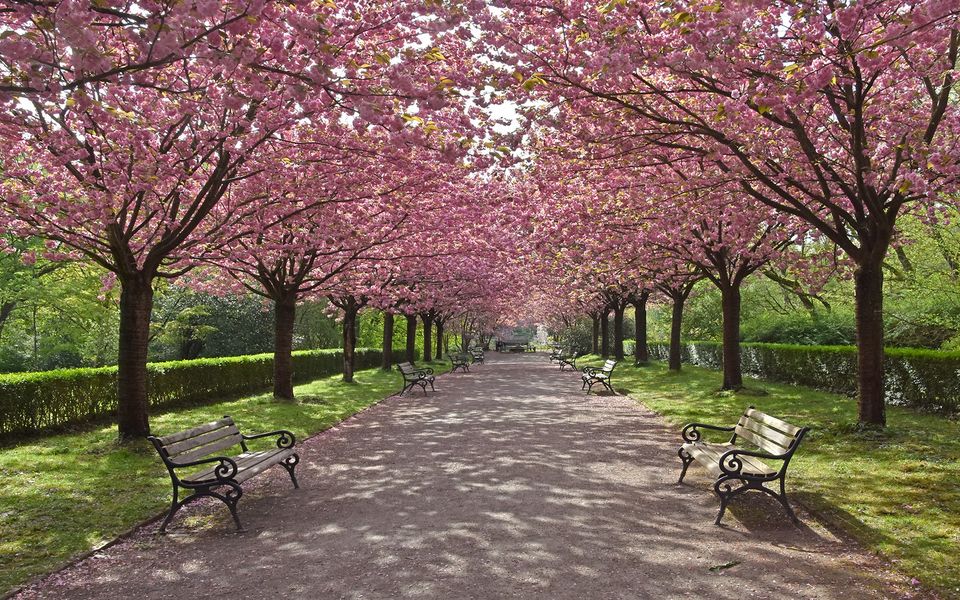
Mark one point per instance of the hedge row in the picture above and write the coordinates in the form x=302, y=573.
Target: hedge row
x=925, y=379
x=31, y=402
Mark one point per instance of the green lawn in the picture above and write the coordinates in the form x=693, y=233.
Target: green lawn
x=897, y=491
x=66, y=494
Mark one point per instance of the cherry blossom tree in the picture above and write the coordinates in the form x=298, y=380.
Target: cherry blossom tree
x=127, y=124
x=840, y=115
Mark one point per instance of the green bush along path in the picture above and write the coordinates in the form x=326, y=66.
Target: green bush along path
x=896, y=491
x=66, y=494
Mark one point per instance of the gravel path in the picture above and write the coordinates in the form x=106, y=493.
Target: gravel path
x=506, y=483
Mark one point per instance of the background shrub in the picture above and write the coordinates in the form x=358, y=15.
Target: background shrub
x=924, y=379
x=31, y=402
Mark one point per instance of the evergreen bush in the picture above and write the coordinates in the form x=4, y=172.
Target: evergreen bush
x=924, y=379
x=31, y=402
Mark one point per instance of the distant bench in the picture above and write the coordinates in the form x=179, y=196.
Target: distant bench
x=413, y=375
x=459, y=361
x=771, y=439
x=594, y=375
x=196, y=461
x=567, y=360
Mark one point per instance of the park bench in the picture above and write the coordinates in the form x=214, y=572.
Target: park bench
x=770, y=438
x=512, y=346
x=459, y=361
x=477, y=355
x=413, y=375
x=566, y=360
x=594, y=375
x=197, y=459
x=556, y=353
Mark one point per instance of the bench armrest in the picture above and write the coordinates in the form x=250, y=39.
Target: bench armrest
x=691, y=431
x=426, y=371
x=590, y=371
x=731, y=465
x=285, y=438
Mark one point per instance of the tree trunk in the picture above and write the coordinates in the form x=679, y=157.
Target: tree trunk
x=618, y=311
x=387, y=341
x=596, y=335
x=356, y=330
x=439, y=353
x=605, y=333
x=869, y=308
x=349, y=341
x=411, y=338
x=732, y=372
x=427, y=337
x=285, y=309
x=640, y=351
x=675, y=322
x=136, y=304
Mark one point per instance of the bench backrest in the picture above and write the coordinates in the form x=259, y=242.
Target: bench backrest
x=608, y=366
x=406, y=368
x=770, y=434
x=200, y=442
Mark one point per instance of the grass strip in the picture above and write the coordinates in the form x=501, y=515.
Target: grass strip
x=895, y=491
x=63, y=495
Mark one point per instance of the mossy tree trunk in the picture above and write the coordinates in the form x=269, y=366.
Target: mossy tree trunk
x=136, y=306
x=387, y=362
x=641, y=352
x=285, y=309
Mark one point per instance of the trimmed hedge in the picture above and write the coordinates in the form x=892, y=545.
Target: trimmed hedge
x=924, y=379
x=31, y=402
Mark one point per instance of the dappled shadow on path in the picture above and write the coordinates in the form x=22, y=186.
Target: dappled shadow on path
x=508, y=482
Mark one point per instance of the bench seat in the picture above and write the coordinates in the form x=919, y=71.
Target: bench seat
x=248, y=465
x=709, y=456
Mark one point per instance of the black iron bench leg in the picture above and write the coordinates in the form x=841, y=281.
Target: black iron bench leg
x=230, y=498
x=725, y=492
x=686, y=459
x=782, y=497
x=290, y=463
x=174, y=507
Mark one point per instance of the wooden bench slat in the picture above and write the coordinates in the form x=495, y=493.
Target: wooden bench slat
x=203, y=439
x=709, y=455
x=765, y=431
x=200, y=429
x=208, y=450
x=761, y=442
x=774, y=422
x=248, y=464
